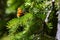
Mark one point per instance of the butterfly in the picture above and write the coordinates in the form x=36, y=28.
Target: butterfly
x=19, y=12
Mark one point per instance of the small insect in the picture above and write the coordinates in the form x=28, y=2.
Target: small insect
x=19, y=12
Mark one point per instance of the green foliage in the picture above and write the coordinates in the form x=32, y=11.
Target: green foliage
x=29, y=23
x=30, y=26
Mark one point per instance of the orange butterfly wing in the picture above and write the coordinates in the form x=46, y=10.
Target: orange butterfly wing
x=19, y=12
